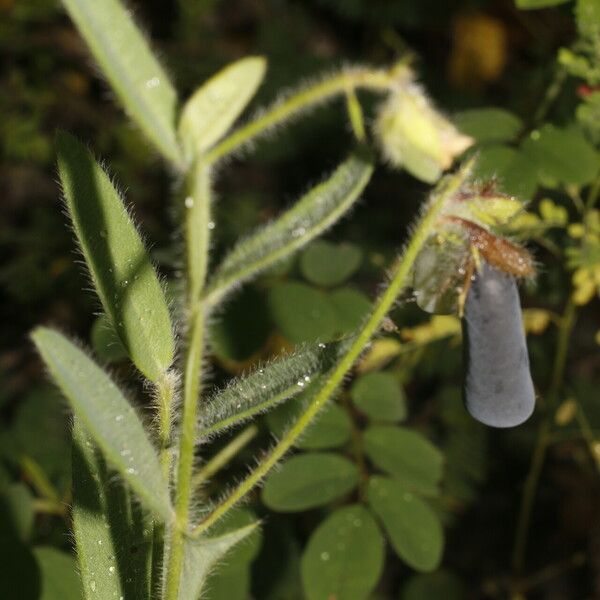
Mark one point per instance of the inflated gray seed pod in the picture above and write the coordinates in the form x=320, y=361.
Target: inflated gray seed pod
x=498, y=390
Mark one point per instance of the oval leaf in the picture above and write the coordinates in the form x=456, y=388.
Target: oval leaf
x=344, y=556
x=379, y=396
x=59, y=574
x=327, y=264
x=115, y=255
x=135, y=75
x=109, y=418
x=309, y=480
x=407, y=455
x=213, y=108
x=414, y=529
x=315, y=212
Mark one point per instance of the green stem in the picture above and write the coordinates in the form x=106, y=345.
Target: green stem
x=543, y=437
x=197, y=206
x=320, y=92
x=399, y=279
x=224, y=456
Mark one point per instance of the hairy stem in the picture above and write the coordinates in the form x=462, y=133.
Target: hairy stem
x=543, y=437
x=197, y=231
x=399, y=279
x=380, y=80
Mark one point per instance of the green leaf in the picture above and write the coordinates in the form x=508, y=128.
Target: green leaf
x=59, y=575
x=515, y=172
x=309, y=480
x=263, y=389
x=113, y=545
x=351, y=307
x=115, y=255
x=228, y=583
x=587, y=15
x=433, y=586
x=109, y=418
x=407, y=455
x=135, y=75
x=202, y=556
x=327, y=264
x=302, y=313
x=414, y=529
x=561, y=155
x=344, y=556
x=16, y=503
x=308, y=218
x=214, y=107
x=532, y=4
x=331, y=428
x=380, y=396
x=105, y=341
x=488, y=124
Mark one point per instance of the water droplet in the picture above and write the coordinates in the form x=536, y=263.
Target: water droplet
x=93, y=585
x=102, y=233
x=325, y=556
x=99, y=542
x=111, y=569
x=125, y=283
x=211, y=225
x=118, y=418
x=189, y=202
x=300, y=384
x=153, y=83
x=298, y=232
x=131, y=471
x=306, y=378
x=321, y=345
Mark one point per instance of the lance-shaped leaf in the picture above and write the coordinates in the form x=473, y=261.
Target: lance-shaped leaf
x=112, y=549
x=320, y=208
x=117, y=260
x=135, y=75
x=262, y=390
x=201, y=557
x=107, y=416
x=214, y=107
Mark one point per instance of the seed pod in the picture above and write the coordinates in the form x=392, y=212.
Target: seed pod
x=498, y=389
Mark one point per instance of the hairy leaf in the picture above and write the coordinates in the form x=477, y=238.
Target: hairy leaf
x=107, y=416
x=344, y=556
x=261, y=390
x=135, y=75
x=201, y=556
x=115, y=255
x=112, y=548
x=214, y=107
x=320, y=208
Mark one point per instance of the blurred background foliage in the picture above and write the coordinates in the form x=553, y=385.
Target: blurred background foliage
x=531, y=77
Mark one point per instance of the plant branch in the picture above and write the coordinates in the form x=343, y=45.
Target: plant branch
x=376, y=80
x=398, y=281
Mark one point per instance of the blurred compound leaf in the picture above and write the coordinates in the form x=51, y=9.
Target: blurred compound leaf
x=414, y=529
x=110, y=419
x=344, y=556
x=561, y=156
x=488, y=124
x=407, y=455
x=302, y=313
x=351, y=306
x=110, y=532
x=105, y=341
x=309, y=480
x=59, y=578
x=432, y=586
x=134, y=74
x=120, y=268
x=309, y=217
x=327, y=264
x=16, y=502
x=215, y=106
x=379, y=396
